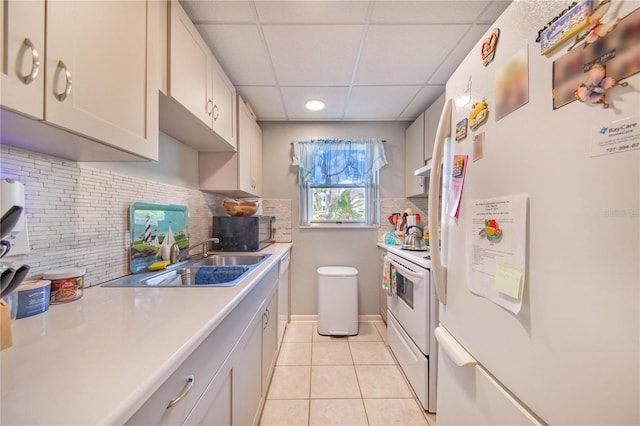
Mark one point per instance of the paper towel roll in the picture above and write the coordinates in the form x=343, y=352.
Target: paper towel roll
x=13, y=195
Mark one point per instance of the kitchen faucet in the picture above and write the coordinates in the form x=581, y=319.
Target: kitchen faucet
x=177, y=255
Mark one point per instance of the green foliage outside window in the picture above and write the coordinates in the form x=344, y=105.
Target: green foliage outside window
x=339, y=204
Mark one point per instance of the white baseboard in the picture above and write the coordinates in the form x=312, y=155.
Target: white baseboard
x=314, y=318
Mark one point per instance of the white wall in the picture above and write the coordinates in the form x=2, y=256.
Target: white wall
x=313, y=248
x=176, y=165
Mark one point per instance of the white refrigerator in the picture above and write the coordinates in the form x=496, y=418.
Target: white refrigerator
x=564, y=348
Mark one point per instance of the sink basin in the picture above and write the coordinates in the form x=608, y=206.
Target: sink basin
x=218, y=270
x=222, y=276
x=230, y=259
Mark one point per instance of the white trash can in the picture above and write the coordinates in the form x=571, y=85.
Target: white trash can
x=337, y=301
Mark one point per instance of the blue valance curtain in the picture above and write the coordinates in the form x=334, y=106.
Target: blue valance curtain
x=338, y=161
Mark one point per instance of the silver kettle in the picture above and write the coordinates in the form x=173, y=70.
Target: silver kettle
x=414, y=240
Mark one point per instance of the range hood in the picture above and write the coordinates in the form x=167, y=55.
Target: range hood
x=424, y=170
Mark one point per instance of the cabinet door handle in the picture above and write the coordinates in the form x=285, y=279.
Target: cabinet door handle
x=209, y=107
x=216, y=112
x=35, y=62
x=190, y=381
x=68, y=84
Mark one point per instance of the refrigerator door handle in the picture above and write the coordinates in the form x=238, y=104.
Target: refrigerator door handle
x=437, y=266
x=452, y=348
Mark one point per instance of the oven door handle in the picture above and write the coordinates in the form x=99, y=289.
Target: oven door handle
x=408, y=272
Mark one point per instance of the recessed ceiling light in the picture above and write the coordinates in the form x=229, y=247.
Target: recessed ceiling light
x=314, y=105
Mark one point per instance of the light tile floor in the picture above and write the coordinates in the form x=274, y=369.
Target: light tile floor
x=355, y=380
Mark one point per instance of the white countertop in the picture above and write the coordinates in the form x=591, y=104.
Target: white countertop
x=96, y=360
x=416, y=257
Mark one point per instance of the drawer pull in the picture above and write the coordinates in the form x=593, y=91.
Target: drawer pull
x=69, y=83
x=216, y=112
x=209, y=107
x=35, y=62
x=190, y=381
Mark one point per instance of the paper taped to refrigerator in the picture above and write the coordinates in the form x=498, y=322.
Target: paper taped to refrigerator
x=496, y=249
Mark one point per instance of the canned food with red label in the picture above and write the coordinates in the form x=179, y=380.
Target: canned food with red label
x=66, y=284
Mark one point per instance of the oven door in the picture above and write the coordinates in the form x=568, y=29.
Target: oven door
x=409, y=301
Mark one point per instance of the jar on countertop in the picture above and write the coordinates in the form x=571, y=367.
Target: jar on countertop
x=67, y=285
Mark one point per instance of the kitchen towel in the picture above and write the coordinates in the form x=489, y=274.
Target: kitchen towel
x=218, y=275
x=386, y=278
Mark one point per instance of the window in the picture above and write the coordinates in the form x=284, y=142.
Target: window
x=339, y=182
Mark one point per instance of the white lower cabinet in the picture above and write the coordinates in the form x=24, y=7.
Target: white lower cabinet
x=214, y=408
x=269, y=341
x=382, y=293
x=223, y=381
x=234, y=394
x=283, y=296
x=247, y=374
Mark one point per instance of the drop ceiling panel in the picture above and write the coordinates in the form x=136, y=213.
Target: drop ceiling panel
x=313, y=55
x=378, y=103
x=433, y=12
x=368, y=60
x=466, y=45
x=422, y=101
x=333, y=97
x=265, y=101
x=407, y=54
x=312, y=12
x=218, y=11
x=494, y=10
x=240, y=51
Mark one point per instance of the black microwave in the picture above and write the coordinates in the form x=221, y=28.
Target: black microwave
x=241, y=233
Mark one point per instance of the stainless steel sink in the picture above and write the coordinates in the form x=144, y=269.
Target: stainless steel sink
x=218, y=270
x=230, y=259
x=221, y=276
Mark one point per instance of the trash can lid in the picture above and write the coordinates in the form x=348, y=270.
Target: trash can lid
x=337, y=271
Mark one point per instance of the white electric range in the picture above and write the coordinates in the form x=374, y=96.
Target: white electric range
x=412, y=315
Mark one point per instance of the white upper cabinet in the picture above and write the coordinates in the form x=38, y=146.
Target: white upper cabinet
x=22, y=56
x=237, y=174
x=419, y=140
x=223, y=97
x=250, y=151
x=96, y=84
x=432, y=118
x=190, y=63
x=200, y=107
x=96, y=70
x=414, y=157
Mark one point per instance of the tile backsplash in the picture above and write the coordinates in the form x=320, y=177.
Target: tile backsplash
x=78, y=216
x=399, y=205
x=281, y=209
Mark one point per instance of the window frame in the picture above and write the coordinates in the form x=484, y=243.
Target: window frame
x=372, y=205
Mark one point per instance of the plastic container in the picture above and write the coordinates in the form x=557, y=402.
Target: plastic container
x=31, y=298
x=67, y=285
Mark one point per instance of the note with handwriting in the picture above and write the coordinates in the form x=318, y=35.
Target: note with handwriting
x=508, y=279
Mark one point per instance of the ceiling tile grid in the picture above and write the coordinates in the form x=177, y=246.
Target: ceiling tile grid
x=367, y=60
